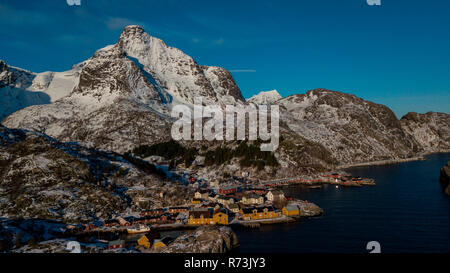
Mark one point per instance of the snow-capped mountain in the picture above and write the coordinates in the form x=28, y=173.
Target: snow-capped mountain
x=113, y=107
x=123, y=95
x=174, y=71
x=20, y=88
x=265, y=97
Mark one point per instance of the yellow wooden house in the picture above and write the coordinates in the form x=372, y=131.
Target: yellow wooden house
x=258, y=213
x=143, y=241
x=220, y=218
x=158, y=244
x=291, y=210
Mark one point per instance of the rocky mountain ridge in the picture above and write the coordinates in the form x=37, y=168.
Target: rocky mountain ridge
x=124, y=94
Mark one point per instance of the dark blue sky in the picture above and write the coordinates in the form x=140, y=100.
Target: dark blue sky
x=397, y=54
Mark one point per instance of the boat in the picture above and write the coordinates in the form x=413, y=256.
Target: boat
x=139, y=229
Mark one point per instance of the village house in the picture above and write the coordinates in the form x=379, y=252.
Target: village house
x=158, y=244
x=257, y=190
x=152, y=212
x=275, y=195
x=259, y=213
x=173, y=210
x=220, y=218
x=196, y=200
x=152, y=219
x=234, y=208
x=200, y=216
x=228, y=189
x=123, y=222
x=225, y=201
x=144, y=242
x=291, y=210
x=202, y=194
x=116, y=244
x=252, y=199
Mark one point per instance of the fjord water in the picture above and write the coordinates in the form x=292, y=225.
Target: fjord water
x=405, y=212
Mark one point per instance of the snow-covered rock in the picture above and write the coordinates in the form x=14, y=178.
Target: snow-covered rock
x=265, y=97
x=124, y=94
x=430, y=130
x=20, y=88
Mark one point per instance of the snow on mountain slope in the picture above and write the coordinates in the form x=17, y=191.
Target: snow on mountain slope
x=174, y=71
x=124, y=94
x=265, y=97
x=223, y=84
x=113, y=107
x=20, y=88
x=352, y=129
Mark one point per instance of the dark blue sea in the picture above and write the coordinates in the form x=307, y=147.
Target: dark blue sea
x=405, y=212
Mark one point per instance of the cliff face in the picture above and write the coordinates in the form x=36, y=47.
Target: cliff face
x=431, y=130
x=445, y=178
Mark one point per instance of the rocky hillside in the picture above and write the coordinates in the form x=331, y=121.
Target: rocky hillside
x=349, y=128
x=42, y=178
x=431, y=130
x=445, y=178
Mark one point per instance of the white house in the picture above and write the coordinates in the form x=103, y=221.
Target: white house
x=274, y=195
x=252, y=199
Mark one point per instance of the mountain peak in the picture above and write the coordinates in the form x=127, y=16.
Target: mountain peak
x=265, y=97
x=2, y=66
x=133, y=29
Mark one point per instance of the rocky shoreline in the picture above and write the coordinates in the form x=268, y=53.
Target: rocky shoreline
x=205, y=239
x=445, y=178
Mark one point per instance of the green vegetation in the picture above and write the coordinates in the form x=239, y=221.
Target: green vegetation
x=169, y=150
x=250, y=155
x=144, y=166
